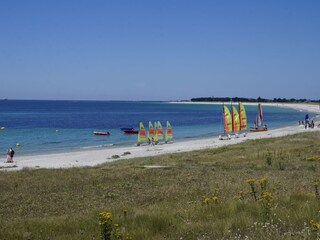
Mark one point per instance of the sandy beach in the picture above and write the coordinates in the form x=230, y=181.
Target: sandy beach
x=95, y=157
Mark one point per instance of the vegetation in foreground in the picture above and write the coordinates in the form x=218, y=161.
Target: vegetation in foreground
x=261, y=189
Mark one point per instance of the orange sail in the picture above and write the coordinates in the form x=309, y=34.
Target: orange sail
x=242, y=116
x=169, y=134
x=151, y=131
x=142, y=136
x=227, y=121
x=159, y=132
x=235, y=120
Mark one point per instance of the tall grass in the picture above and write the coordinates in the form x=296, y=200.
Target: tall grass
x=168, y=203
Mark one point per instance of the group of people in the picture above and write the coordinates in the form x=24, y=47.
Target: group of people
x=10, y=154
x=307, y=123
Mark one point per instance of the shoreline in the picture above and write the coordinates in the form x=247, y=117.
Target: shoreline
x=315, y=108
x=93, y=157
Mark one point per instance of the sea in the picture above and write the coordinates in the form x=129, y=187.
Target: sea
x=42, y=127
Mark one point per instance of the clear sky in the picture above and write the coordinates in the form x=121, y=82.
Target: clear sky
x=159, y=49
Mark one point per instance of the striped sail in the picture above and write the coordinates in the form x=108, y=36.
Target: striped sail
x=151, y=131
x=169, y=133
x=227, y=121
x=155, y=125
x=260, y=116
x=242, y=116
x=235, y=120
x=142, y=137
x=159, y=131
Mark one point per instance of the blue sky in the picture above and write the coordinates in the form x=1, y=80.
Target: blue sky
x=159, y=50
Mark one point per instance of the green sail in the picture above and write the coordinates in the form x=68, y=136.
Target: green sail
x=142, y=137
x=242, y=117
x=227, y=120
x=159, y=132
x=151, y=131
x=235, y=120
x=155, y=125
x=169, y=133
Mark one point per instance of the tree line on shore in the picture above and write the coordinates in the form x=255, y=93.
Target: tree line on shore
x=259, y=99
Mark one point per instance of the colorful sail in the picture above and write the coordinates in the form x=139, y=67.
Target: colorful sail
x=169, y=133
x=155, y=125
x=159, y=132
x=151, y=131
x=260, y=116
x=235, y=120
x=142, y=137
x=242, y=116
x=227, y=121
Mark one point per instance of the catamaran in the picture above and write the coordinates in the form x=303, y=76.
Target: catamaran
x=235, y=119
x=159, y=132
x=169, y=134
x=151, y=132
x=235, y=122
x=258, y=122
x=227, y=123
x=142, y=137
x=242, y=117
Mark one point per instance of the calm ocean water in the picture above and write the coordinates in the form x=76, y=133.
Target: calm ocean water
x=56, y=126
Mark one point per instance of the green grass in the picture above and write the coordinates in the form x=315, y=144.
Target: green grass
x=167, y=203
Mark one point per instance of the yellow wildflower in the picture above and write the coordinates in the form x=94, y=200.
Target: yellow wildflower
x=315, y=226
x=251, y=180
x=215, y=198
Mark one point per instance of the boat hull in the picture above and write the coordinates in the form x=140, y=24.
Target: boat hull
x=258, y=130
x=101, y=133
x=123, y=129
x=131, y=131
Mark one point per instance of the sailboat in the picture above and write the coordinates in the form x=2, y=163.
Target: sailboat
x=242, y=117
x=142, y=137
x=235, y=120
x=159, y=132
x=151, y=132
x=227, y=123
x=258, y=122
x=169, y=134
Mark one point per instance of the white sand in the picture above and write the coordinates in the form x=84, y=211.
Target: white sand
x=92, y=158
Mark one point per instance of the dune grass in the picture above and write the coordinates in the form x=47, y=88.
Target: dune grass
x=202, y=195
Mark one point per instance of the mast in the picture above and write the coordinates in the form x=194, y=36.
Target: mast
x=260, y=116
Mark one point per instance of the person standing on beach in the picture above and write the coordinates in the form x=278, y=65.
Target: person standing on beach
x=11, y=154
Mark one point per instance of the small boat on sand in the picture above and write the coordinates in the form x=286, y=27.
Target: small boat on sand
x=101, y=133
x=258, y=122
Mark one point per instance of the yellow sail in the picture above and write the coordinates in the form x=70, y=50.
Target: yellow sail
x=142, y=137
x=169, y=133
x=159, y=132
x=227, y=121
x=155, y=137
x=242, y=116
x=235, y=120
x=151, y=131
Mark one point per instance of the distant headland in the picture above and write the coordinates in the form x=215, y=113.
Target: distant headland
x=259, y=99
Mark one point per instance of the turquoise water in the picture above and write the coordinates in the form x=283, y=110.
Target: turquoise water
x=56, y=126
